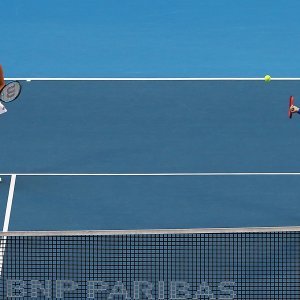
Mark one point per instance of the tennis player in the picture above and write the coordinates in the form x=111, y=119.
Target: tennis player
x=2, y=107
x=2, y=84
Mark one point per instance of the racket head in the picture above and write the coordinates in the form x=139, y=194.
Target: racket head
x=10, y=92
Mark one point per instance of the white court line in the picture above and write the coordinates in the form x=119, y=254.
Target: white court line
x=9, y=202
x=149, y=79
x=7, y=219
x=162, y=174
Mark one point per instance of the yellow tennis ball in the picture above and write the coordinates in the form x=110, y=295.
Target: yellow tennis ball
x=268, y=78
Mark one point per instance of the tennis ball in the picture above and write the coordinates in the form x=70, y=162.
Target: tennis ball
x=268, y=78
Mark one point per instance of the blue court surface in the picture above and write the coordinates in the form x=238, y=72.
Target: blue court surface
x=140, y=38
x=164, y=141
x=144, y=143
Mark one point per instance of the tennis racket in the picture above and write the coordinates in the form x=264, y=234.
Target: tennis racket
x=291, y=103
x=10, y=92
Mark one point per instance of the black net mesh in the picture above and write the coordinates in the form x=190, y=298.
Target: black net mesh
x=262, y=265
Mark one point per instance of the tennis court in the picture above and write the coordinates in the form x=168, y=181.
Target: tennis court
x=101, y=174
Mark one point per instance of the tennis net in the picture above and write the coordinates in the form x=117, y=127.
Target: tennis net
x=249, y=263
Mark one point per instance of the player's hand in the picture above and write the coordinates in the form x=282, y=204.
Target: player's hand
x=294, y=108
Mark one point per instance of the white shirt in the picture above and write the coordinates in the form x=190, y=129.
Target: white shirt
x=2, y=109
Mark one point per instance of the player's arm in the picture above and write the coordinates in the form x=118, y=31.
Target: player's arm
x=2, y=81
x=295, y=109
x=2, y=84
